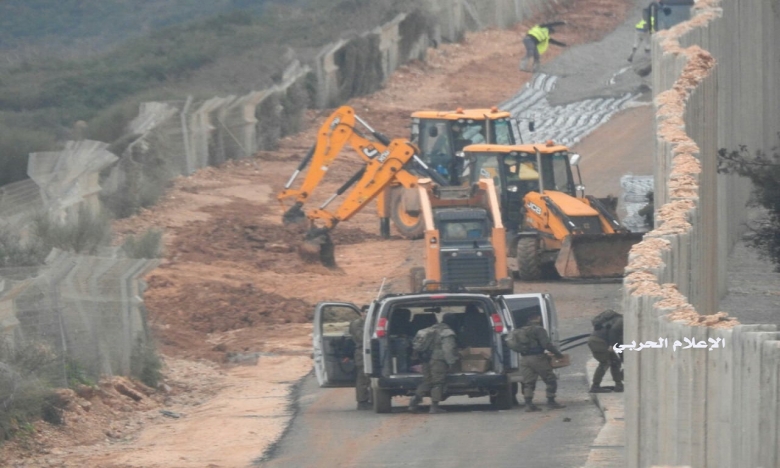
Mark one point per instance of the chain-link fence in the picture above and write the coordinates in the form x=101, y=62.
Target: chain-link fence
x=86, y=310
x=79, y=314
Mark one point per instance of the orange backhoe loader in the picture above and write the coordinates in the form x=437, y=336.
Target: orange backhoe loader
x=440, y=135
x=385, y=163
x=465, y=240
x=549, y=220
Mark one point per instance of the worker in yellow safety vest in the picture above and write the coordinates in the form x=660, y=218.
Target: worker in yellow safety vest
x=536, y=42
x=644, y=28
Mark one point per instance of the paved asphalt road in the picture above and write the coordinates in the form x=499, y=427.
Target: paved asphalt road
x=328, y=431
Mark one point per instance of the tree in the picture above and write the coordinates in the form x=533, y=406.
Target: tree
x=764, y=171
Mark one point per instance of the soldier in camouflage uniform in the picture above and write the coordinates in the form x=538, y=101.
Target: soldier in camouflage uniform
x=362, y=382
x=445, y=355
x=531, y=341
x=600, y=342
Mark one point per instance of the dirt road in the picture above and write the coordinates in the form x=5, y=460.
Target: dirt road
x=231, y=303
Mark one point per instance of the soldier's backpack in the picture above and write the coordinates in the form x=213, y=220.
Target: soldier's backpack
x=424, y=343
x=518, y=341
x=603, y=319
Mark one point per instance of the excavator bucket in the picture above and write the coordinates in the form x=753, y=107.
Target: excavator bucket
x=595, y=255
x=295, y=215
x=318, y=246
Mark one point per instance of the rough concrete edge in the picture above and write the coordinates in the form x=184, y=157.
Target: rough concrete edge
x=605, y=411
x=646, y=257
x=594, y=452
x=293, y=409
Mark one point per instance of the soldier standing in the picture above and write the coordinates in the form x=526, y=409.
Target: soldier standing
x=443, y=355
x=362, y=382
x=607, y=332
x=531, y=341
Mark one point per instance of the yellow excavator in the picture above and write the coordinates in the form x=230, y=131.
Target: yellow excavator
x=440, y=136
x=385, y=162
x=465, y=240
x=549, y=220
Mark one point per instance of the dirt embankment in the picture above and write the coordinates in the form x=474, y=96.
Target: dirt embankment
x=232, y=289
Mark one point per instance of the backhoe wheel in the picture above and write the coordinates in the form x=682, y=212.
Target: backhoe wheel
x=529, y=266
x=408, y=225
x=416, y=277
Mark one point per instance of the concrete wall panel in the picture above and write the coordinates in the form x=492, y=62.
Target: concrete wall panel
x=716, y=85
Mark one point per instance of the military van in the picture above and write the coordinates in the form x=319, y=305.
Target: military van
x=487, y=367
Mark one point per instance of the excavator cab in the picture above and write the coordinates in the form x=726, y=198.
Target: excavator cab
x=515, y=173
x=441, y=137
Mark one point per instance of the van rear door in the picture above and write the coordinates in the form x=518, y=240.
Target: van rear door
x=334, y=348
x=516, y=307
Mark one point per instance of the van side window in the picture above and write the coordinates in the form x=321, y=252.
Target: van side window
x=336, y=320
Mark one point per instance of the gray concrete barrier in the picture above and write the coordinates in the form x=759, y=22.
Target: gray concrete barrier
x=716, y=86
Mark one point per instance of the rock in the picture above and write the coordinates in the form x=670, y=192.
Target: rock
x=170, y=414
x=279, y=248
x=240, y=359
x=128, y=392
x=85, y=391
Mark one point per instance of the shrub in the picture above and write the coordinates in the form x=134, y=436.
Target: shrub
x=15, y=253
x=76, y=374
x=360, y=67
x=148, y=245
x=294, y=102
x=145, y=363
x=269, y=125
x=16, y=144
x=24, y=394
x=111, y=124
x=82, y=236
x=415, y=25
x=764, y=171
x=145, y=174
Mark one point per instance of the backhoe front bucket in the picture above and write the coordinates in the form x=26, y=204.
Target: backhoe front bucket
x=595, y=255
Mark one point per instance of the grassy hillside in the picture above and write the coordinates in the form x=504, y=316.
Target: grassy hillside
x=82, y=27
x=241, y=49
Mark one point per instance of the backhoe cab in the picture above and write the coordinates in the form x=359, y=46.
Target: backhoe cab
x=441, y=136
x=548, y=219
x=465, y=241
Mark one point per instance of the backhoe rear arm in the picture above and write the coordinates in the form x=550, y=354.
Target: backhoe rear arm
x=379, y=172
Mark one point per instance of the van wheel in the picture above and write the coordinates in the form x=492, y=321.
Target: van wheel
x=529, y=266
x=503, y=400
x=382, y=400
